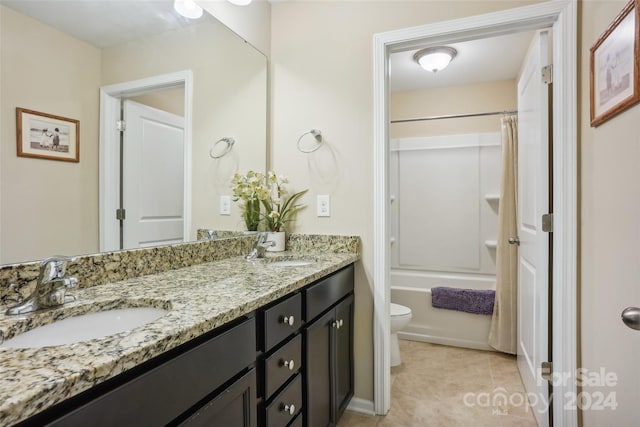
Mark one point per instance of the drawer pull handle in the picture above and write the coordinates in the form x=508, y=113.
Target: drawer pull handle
x=289, y=364
x=291, y=409
x=288, y=320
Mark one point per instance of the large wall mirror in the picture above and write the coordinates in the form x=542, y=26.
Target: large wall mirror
x=56, y=57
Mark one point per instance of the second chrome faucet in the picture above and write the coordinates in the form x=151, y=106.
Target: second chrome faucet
x=260, y=246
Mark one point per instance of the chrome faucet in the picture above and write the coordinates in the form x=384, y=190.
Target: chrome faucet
x=51, y=287
x=260, y=247
x=209, y=235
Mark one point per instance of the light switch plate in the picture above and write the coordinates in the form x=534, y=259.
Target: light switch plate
x=324, y=205
x=225, y=205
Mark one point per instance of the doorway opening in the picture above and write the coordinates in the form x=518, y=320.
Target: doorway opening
x=561, y=17
x=455, y=171
x=112, y=166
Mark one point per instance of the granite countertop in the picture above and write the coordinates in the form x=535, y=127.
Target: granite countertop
x=199, y=298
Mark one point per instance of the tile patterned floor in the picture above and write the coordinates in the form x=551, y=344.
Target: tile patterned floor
x=433, y=383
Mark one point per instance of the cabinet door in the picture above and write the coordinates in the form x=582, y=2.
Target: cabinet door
x=318, y=369
x=233, y=407
x=343, y=355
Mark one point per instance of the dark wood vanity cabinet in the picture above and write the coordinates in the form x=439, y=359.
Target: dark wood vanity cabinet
x=210, y=381
x=328, y=350
x=307, y=367
x=288, y=364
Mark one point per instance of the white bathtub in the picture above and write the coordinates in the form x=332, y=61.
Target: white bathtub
x=437, y=325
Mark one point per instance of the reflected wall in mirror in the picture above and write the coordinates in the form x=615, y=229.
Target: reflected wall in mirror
x=46, y=208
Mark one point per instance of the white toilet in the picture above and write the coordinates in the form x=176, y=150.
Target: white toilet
x=400, y=317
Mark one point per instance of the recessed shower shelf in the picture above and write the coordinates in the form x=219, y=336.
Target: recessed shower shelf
x=492, y=198
x=491, y=244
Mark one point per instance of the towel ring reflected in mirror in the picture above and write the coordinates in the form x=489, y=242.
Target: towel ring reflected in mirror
x=317, y=135
x=227, y=140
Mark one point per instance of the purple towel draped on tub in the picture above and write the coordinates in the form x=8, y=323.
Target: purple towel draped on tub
x=476, y=301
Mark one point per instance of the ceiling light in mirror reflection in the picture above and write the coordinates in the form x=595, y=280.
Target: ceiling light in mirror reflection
x=188, y=9
x=240, y=2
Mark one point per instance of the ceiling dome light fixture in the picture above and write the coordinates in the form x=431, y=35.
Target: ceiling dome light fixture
x=435, y=59
x=188, y=8
x=240, y=2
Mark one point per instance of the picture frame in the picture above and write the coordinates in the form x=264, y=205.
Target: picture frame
x=615, y=66
x=47, y=136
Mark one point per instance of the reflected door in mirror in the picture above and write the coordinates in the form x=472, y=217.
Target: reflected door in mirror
x=153, y=177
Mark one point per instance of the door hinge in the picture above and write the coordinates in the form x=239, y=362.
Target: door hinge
x=120, y=214
x=547, y=74
x=121, y=125
x=547, y=223
x=546, y=369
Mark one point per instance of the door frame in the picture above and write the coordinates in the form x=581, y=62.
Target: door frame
x=109, y=182
x=561, y=15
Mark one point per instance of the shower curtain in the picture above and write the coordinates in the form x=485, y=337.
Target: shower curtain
x=503, y=333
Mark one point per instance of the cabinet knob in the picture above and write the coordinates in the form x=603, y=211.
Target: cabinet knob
x=340, y=323
x=289, y=364
x=288, y=320
x=291, y=409
x=336, y=324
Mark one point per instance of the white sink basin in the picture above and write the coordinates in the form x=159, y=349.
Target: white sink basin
x=85, y=327
x=291, y=263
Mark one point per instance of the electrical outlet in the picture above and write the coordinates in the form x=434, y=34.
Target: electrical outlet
x=225, y=205
x=324, y=205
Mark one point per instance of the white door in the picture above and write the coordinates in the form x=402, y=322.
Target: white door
x=153, y=177
x=533, y=202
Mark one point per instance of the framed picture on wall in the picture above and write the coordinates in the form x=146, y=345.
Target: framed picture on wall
x=45, y=136
x=615, y=66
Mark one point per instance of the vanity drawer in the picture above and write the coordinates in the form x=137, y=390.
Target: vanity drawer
x=276, y=372
x=327, y=292
x=281, y=320
x=297, y=422
x=161, y=394
x=284, y=406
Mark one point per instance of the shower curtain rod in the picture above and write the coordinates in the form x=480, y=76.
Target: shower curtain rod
x=453, y=116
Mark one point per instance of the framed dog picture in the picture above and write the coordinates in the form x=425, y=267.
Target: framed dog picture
x=615, y=66
x=45, y=136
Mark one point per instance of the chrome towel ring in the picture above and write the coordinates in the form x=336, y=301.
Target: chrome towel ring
x=317, y=134
x=228, y=140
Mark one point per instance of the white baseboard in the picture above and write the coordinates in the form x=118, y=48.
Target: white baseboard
x=444, y=341
x=362, y=406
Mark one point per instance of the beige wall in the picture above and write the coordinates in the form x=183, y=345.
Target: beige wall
x=471, y=98
x=40, y=67
x=610, y=233
x=170, y=100
x=322, y=67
